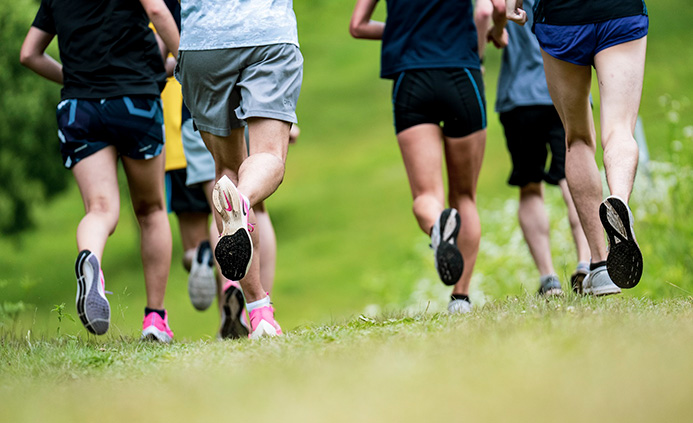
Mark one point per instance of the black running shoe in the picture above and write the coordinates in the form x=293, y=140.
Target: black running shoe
x=624, y=261
x=448, y=259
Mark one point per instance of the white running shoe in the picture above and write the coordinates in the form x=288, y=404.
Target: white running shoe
x=598, y=283
x=234, y=251
x=202, y=285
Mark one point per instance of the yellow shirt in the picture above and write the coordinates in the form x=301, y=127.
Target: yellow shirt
x=172, y=98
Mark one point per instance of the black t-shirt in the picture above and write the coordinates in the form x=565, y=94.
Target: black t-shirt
x=106, y=47
x=580, y=12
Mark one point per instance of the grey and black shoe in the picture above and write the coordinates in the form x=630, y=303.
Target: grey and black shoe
x=448, y=259
x=233, y=322
x=598, y=283
x=550, y=286
x=625, y=259
x=576, y=280
x=92, y=306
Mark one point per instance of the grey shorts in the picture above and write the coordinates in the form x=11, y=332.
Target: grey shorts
x=224, y=87
x=200, y=161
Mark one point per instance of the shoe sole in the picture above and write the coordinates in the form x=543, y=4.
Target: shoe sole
x=601, y=292
x=264, y=328
x=624, y=261
x=553, y=292
x=92, y=307
x=234, y=251
x=232, y=326
x=449, y=261
x=155, y=335
x=202, y=286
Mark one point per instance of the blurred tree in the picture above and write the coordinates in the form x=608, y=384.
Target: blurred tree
x=31, y=170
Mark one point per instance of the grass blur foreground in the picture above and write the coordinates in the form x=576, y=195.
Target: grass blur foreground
x=521, y=359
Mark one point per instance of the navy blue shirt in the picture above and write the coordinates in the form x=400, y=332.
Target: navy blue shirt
x=428, y=34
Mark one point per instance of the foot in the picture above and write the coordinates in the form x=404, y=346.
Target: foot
x=234, y=252
x=233, y=321
x=598, y=283
x=625, y=259
x=202, y=285
x=576, y=280
x=92, y=306
x=448, y=259
x=459, y=306
x=550, y=286
x=154, y=328
x=262, y=323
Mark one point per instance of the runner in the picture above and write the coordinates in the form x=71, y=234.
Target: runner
x=610, y=35
x=218, y=41
x=429, y=50
x=111, y=108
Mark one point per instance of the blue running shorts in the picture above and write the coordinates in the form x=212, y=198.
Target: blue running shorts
x=578, y=44
x=133, y=124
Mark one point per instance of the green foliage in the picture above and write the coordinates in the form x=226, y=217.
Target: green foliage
x=30, y=168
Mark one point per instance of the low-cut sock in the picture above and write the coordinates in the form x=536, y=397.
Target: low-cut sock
x=583, y=265
x=257, y=304
x=597, y=264
x=463, y=297
x=161, y=313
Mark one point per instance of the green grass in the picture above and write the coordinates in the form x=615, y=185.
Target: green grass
x=525, y=359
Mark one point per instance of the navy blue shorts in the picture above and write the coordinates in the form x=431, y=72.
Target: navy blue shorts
x=578, y=44
x=451, y=98
x=133, y=124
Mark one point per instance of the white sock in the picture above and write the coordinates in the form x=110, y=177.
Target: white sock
x=257, y=304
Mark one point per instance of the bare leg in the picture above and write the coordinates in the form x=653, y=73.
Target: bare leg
x=620, y=72
x=463, y=157
x=146, y=182
x=256, y=176
x=97, y=179
x=193, y=230
x=535, y=226
x=569, y=86
x=268, y=246
x=581, y=246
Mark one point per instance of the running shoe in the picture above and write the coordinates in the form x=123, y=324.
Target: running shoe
x=233, y=322
x=262, y=323
x=92, y=306
x=459, y=306
x=598, y=283
x=202, y=285
x=624, y=260
x=448, y=259
x=154, y=328
x=550, y=286
x=576, y=280
x=234, y=252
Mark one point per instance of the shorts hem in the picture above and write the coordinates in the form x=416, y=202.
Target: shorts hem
x=269, y=114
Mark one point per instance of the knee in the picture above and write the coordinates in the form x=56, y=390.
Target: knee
x=104, y=209
x=144, y=210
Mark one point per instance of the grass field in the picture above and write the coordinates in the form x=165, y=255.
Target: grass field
x=349, y=246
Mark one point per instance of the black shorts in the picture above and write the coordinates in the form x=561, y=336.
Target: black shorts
x=452, y=98
x=528, y=132
x=133, y=124
x=182, y=198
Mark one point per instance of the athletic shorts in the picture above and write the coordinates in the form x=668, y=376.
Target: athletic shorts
x=224, y=87
x=578, y=44
x=452, y=98
x=133, y=124
x=200, y=161
x=529, y=130
x=182, y=198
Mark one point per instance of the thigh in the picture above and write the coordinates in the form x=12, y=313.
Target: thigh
x=463, y=158
x=569, y=86
x=620, y=71
x=228, y=151
x=268, y=136
x=146, y=182
x=422, y=153
x=97, y=179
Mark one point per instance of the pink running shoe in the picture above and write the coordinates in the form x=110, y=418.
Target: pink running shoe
x=233, y=321
x=263, y=324
x=234, y=251
x=154, y=328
